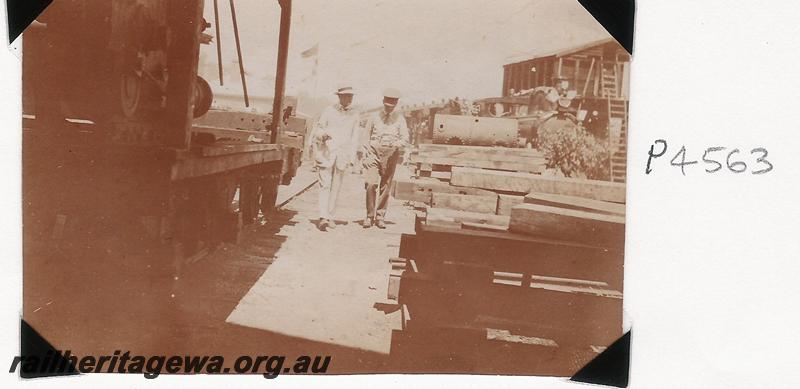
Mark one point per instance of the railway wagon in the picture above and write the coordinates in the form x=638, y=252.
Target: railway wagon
x=114, y=143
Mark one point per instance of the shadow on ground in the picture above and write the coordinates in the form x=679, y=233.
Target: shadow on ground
x=96, y=300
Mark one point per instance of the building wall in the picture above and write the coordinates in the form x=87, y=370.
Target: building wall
x=576, y=66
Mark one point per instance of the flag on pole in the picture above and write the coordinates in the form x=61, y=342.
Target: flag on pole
x=311, y=52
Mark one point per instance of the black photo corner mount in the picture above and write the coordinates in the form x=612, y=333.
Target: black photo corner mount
x=611, y=367
x=617, y=16
x=34, y=346
x=21, y=13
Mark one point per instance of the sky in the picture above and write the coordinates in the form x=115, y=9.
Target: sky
x=429, y=50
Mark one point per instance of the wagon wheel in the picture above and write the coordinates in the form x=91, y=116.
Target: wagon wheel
x=203, y=97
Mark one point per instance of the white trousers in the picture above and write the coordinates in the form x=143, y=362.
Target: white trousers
x=330, y=183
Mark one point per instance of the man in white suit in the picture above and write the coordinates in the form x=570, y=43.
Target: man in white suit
x=334, y=143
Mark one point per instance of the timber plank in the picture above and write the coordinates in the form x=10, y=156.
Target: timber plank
x=525, y=183
x=408, y=246
x=439, y=175
x=532, y=165
x=580, y=226
x=442, y=222
x=512, y=252
x=482, y=227
x=201, y=166
x=225, y=149
x=486, y=150
x=490, y=179
x=505, y=202
x=420, y=189
x=465, y=202
x=575, y=203
x=567, y=318
x=250, y=137
x=468, y=217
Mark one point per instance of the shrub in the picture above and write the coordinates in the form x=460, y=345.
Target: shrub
x=573, y=151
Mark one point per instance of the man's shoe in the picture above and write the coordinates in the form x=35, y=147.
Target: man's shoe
x=379, y=223
x=367, y=222
x=323, y=224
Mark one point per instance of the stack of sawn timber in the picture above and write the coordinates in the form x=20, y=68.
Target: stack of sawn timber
x=579, y=210
x=534, y=287
x=437, y=166
x=462, y=186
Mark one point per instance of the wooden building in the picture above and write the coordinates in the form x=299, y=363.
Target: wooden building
x=598, y=69
x=598, y=72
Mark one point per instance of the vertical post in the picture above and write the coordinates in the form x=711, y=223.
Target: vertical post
x=239, y=54
x=531, y=75
x=185, y=19
x=504, y=91
x=280, y=75
x=219, y=42
x=560, y=63
x=598, y=76
x=608, y=136
x=589, y=77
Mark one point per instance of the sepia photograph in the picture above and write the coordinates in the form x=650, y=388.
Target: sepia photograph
x=324, y=187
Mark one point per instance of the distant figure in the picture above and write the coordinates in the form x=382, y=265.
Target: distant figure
x=388, y=137
x=287, y=113
x=595, y=126
x=333, y=145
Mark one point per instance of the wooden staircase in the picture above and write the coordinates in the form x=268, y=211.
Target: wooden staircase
x=610, y=89
x=609, y=80
x=618, y=108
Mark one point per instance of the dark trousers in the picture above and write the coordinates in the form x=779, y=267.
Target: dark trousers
x=378, y=180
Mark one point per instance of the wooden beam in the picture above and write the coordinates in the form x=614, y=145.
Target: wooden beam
x=468, y=217
x=440, y=175
x=526, y=183
x=223, y=149
x=505, y=80
x=515, y=252
x=488, y=179
x=280, y=74
x=575, y=203
x=461, y=202
x=524, y=164
x=202, y=166
x=420, y=189
x=559, y=223
x=226, y=136
x=443, y=223
x=460, y=151
x=482, y=227
x=560, y=64
x=460, y=295
x=505, y=202
x=588, y=78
